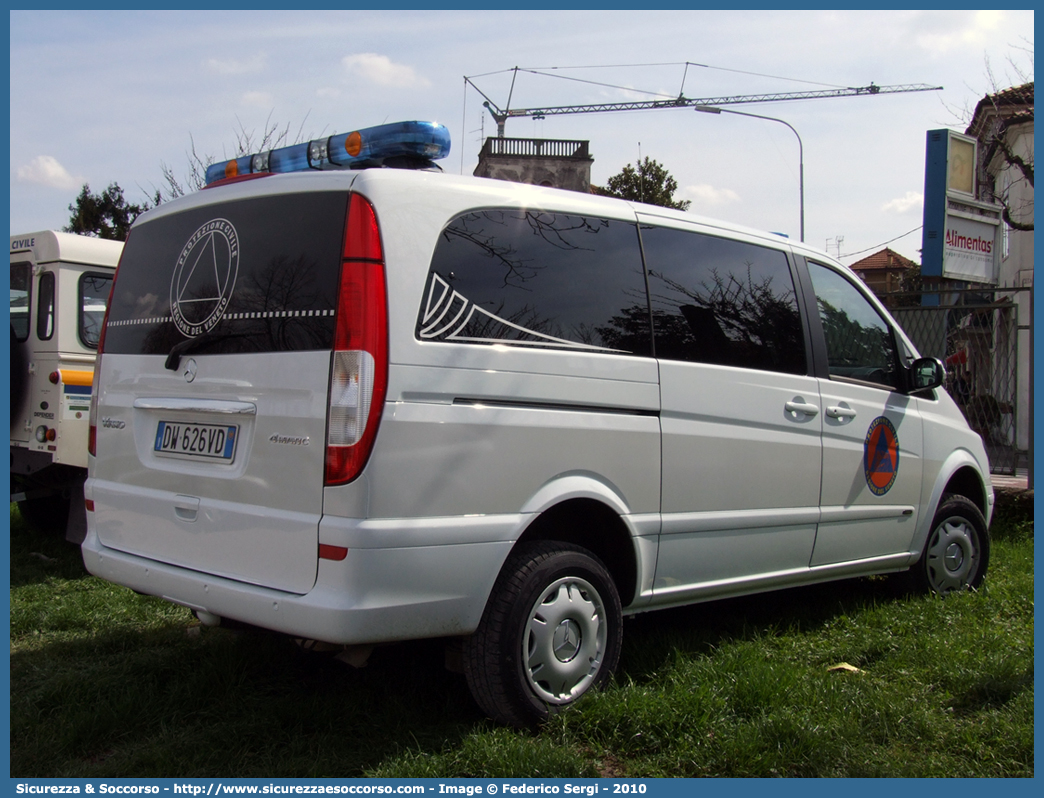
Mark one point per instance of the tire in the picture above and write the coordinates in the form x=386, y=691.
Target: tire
x=957, y=551
x=551, y=631
x=55, y=487
x=47, y=516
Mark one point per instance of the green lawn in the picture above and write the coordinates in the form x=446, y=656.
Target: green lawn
x=107, y=683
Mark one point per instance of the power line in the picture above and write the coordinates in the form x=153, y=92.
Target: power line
x=679, y=63
x=605, y=66
x=773, y=77
x=876, y=246
x=597, y=83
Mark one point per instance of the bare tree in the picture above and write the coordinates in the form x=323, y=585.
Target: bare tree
x=1003, y=165
x=271, y=136
x=1004, y=168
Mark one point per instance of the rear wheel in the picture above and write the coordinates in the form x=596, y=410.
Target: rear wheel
x=552, y=631
x=50, y=494
x=957, y=551
x=48, y=515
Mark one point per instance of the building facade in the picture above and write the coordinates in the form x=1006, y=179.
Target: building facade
x=554, y=163
x=1003, y=125
x=884, y=272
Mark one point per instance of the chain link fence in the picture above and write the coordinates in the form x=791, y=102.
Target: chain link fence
x=984, y=339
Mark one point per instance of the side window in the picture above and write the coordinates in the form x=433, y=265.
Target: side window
x=21, y=274
x=537, y=279
x=45, y=307
x=860, y=344
x=94, y=294
x=724, y=302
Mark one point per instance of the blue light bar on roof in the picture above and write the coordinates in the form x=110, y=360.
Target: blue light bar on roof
x=371, y=146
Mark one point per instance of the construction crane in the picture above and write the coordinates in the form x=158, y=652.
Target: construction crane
x=501, y=115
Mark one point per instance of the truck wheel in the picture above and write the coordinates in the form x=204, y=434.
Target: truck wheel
x=49, y=515
x=957, y=551
x=51, y=492
x=551, y=631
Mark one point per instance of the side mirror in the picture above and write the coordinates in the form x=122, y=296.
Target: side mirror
x=925, y=373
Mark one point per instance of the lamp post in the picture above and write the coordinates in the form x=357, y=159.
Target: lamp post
x=710, y=109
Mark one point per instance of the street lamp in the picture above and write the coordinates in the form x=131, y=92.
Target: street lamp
x=710, y=109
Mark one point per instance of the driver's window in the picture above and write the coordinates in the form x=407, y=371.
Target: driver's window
x=860, y=344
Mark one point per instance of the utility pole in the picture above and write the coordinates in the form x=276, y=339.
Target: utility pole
x=709, y=109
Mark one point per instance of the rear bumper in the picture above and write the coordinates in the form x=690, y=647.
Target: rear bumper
x=376, y=594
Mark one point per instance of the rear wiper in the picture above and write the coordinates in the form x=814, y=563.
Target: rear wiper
x=192, y=344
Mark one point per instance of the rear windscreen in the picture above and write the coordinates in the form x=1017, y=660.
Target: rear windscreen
x=94, y=293
x=258, y=275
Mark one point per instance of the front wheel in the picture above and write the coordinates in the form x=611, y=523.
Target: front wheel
x=552, y=630
x=957, y=551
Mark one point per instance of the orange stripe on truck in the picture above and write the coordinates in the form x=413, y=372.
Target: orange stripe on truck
x=76, y=377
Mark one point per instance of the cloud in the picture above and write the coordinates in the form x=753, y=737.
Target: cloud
x=45, y=170
x=231, y=66
x=974, y=30
x=989, y=20
x=911, y=200
x=380, y=70
x=257, y=99
x=708, y=195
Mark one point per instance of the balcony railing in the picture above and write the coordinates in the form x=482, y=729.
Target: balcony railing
x=545, y=148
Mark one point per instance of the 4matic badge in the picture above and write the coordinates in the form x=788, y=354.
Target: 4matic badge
x=204, y=277
x=880, y=456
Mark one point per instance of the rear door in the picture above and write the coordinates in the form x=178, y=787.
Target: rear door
x=21, y=378
x=212, y=406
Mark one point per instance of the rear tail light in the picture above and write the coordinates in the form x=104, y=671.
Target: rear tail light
x=328, y=552
x=92, y=429
x=359, y=370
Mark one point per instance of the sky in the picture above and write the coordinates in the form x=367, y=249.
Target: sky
x=117, y=96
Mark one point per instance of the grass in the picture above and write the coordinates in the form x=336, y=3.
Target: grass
x=107, y=683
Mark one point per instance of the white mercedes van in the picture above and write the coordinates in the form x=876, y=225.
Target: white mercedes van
x=375, y=404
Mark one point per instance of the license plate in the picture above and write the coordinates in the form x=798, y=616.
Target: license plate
x=204, y=441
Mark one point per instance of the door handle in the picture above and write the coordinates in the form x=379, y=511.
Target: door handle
x=800, y=406
x=840, y=412
x=186, y=508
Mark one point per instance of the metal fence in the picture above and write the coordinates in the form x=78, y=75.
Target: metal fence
x=985, y=339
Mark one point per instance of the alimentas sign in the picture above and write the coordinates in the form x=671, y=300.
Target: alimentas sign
x=968, y=249
x=959, y=238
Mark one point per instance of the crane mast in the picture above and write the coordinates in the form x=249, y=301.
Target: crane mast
x=500, y=116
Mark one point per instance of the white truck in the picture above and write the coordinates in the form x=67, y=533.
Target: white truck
x=59, y=289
